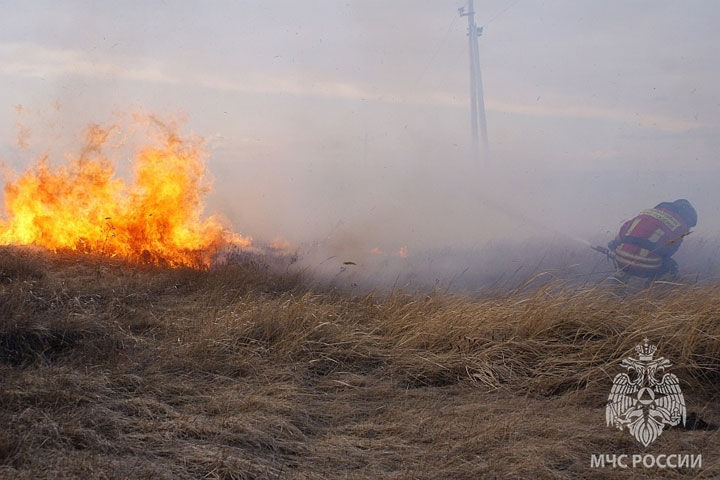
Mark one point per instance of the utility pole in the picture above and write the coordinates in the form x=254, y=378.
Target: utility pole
x=478, y=123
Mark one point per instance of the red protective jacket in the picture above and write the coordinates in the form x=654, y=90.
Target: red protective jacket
x=644, y=241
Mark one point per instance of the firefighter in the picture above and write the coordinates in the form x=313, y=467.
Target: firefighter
x=646, y=243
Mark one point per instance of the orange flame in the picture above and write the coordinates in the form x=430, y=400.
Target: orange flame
x=280, y=244
x=83, y=206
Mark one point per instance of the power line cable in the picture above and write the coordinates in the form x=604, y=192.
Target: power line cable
x=437, y=50
x=508, y=7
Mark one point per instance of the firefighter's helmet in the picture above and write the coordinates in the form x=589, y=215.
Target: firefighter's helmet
x=686, y=210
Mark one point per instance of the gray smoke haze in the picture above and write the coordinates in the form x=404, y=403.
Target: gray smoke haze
x=343, y=127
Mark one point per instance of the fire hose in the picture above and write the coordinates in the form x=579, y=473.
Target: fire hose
x=610, y=254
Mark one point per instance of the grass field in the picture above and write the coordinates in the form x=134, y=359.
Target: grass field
x=110, y=371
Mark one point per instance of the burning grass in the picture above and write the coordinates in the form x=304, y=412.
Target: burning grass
x=84, y=206
x=242, y=372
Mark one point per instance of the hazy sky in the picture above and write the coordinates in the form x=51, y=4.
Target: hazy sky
x=352, y=115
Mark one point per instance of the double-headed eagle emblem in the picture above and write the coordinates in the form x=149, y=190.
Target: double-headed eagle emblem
x=644, y=404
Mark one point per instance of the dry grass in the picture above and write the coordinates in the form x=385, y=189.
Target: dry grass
x=114, y=372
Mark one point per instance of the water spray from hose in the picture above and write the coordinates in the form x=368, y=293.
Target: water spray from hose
x=521, y=218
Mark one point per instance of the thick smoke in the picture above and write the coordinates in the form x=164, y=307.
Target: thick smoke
x=334, y=133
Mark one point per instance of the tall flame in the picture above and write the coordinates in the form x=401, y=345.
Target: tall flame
x=83, y=206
